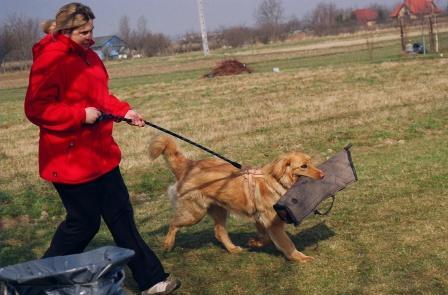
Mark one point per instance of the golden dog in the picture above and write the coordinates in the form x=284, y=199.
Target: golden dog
x=215, y=187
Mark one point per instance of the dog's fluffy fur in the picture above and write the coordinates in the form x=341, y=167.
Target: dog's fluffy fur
x=215, y=187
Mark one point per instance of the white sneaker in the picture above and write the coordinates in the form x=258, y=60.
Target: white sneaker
x=163, y=288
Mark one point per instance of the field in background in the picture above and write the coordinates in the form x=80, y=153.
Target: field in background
x=387, y=234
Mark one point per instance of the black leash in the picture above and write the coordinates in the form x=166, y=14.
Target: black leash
x=105, y=116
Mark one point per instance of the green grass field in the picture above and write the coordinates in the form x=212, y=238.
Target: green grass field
x=387, y=233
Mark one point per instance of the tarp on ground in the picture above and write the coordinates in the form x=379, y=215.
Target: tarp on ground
x=98, y=272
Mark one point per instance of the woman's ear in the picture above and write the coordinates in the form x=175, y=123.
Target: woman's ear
x=279, y=168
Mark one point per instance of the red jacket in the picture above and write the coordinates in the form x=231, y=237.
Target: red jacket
x=64, y=80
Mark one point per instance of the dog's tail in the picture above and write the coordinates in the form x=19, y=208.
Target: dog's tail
x=162, y=144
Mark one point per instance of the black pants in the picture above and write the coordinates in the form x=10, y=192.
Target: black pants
x=105, y=197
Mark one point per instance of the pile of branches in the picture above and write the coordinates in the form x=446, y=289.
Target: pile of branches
x=228, y=67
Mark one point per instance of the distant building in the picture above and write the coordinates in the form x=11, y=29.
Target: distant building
x=110, y=47
x=411, y=10
x=415, y=8
x=366, y=16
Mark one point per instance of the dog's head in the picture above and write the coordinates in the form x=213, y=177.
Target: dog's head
x=289, y=167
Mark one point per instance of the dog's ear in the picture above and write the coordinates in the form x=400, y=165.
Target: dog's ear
x=279, y=167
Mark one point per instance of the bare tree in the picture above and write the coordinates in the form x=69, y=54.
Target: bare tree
x=327, y=18
x=124, y=29
x=237, y=36
x=142, y=40
x=17, y=36
x=142, y=25
x=156, y=44
x=137, y=38
x=190, y=41
x=269, y=12
x=292, y=25
x=323, y=18
x=5, y=44
x=269, y=16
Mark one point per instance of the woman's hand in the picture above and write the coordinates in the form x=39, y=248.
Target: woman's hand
x=92, y=115
x=137, y=120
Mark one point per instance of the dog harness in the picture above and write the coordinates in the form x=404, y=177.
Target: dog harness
x=251, y=186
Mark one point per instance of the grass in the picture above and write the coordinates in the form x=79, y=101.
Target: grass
x=386, y=233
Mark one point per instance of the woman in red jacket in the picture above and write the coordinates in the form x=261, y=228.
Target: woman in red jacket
x=67, y=91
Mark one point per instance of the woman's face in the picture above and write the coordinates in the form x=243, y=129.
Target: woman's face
x=83, y=35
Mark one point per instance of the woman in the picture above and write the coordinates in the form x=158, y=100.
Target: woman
x=67, y=91
x=48, y=26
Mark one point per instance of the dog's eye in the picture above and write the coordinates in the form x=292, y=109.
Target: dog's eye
x=304, y=166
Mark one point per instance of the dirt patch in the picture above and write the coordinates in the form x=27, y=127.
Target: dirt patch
x=227, y=68
x=12, y=222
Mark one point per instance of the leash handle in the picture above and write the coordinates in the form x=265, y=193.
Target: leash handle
x=118, y=119
x=105, y=116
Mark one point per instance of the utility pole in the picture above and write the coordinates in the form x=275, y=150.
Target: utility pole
x=203, y=29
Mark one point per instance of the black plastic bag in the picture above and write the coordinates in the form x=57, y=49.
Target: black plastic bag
x=306, y=194
x=98, y=272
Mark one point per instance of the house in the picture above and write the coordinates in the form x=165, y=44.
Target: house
x=366, y=16
x=110, y=47
x=424, y=11
x=415, y=8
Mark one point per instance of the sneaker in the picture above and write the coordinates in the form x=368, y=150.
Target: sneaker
x=163, y=288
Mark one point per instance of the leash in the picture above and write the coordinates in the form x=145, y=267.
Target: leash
x=105, y=117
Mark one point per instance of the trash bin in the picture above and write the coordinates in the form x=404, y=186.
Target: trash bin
x=99, y=271
x=418, y=48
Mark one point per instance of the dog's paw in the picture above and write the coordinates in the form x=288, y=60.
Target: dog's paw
x=300, y=257
x=235, y=249
x=167, y=247
x=255, y=243
x=306, y=259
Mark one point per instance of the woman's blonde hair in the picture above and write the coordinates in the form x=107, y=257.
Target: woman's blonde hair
x=48, y=26
x=72, y=16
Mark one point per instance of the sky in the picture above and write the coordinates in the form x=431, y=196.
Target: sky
x=174, y=17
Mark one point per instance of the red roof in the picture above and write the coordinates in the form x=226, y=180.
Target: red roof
x=365, y=15
x=416, y=7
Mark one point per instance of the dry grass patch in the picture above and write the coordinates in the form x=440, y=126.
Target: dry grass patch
x=386, y=233
x=283, y=106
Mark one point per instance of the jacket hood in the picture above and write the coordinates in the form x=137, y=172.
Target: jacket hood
x=57, y=42
x=40, y=46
